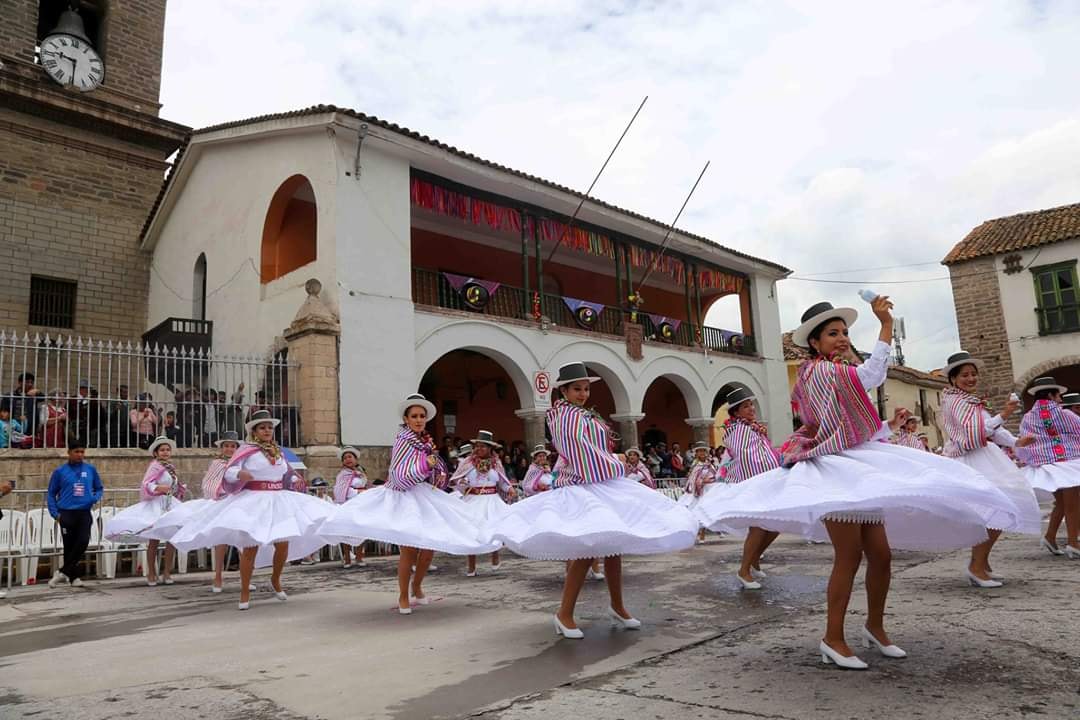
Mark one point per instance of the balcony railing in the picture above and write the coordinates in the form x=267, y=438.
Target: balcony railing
x=431, y=288
x=1056, y=319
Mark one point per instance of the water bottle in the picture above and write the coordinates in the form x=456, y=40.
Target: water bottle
x=868, y=295
x=1013, y=397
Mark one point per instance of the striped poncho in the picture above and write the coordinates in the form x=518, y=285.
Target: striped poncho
x=835, y=409
x=211, y=482
x=962, y=418
x=582, y=441
x=702, y=473
x=749, y=450
x=906, y=439
x=344, y=482
x=1056, y=432
x=409, y=462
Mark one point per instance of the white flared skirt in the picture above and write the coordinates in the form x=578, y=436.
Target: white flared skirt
x=131, y=524
x=422, y=517
x=259, y=518
x=170, y=523
x=1045, y=480
x=926, y=502
x=617, y=517
x=486, y=509
x=993, y=464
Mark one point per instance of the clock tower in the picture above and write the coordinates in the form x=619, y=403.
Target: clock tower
x=83, y=153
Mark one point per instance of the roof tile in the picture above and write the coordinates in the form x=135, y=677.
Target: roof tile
x=1018, y=232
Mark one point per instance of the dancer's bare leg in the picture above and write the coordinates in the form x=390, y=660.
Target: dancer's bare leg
x=406, y=560
x=847, y=556
x=281, y=554
x=423, y=562
x=575, y=578
x=247, y=569
x=219, y=564
x=613, y=574
x=878, y=578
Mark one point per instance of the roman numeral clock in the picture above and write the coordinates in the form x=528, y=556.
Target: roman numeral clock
x=68, y=56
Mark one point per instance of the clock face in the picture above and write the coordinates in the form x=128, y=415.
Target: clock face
x=71, y=61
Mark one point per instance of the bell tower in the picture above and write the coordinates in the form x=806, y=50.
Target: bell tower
x=83, y=153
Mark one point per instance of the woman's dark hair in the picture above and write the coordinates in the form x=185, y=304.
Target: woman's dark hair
x=815, y=334
x=1046, y=394
x=733, y=410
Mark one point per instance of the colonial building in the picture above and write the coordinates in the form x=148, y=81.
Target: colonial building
x=449, y=274
x=1014, y=284
x=82, y=156
x=905, y=387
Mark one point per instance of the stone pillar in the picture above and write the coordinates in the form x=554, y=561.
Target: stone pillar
x=628, y=428
x=313, y=345
x=702, y=428
x=534, y=426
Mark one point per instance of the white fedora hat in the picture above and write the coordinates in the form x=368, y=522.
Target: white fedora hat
x=417, y=400
x=572, y=372
x=961, y=358
x=1046, y=382
x=818, y=314
x=541, y=448
x=348, y=449
x=258, y=418
x=485, y=437
x=159, y=441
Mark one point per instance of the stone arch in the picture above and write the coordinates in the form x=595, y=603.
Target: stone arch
x=488, y=339
x=609, y=365
x=1070, y=378
x=290, y=230
x=735, y=374
x=680, y=372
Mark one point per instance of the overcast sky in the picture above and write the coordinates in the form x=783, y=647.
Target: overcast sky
x=843, y=136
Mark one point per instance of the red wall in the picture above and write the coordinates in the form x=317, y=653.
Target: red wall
x=665, y=410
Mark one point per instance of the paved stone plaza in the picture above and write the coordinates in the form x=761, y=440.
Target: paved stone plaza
x=337, y=649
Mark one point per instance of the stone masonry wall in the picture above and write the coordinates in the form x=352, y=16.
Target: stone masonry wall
x=981, y=321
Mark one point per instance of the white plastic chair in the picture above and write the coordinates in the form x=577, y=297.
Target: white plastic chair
x=43, y=537
x=12, y=542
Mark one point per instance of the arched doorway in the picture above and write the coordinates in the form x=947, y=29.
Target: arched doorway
x=665, y=410
x=472, y=392
x=198, y=289
x=1067, y=373
x=290, y=229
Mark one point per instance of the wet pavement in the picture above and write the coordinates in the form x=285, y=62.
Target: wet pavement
x=486, y=647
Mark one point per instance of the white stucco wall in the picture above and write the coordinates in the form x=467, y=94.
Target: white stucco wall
x=374, y=268
x=1018, y=297
x=221, y=212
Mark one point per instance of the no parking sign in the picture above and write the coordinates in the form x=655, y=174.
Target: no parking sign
x=542, y=388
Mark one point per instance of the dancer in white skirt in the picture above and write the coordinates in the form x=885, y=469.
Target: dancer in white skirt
x=538, y=477
x=1071, y=403
x=351, y=481
x=411, y=510
x=839, y=481
x=749, y=453
x=266, y=512
x=480, y=478
x=1053, y=460
x=170, y=523
x=592, y=511
x=703, y=476
x=973, y=439
x=159, y=492
x=636, y=470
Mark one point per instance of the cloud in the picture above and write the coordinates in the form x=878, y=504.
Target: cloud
x=841, y=134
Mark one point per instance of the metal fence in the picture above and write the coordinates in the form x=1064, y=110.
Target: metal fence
x=122, y=394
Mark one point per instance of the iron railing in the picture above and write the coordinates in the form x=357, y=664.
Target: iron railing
x=431, y=288
x=122, y=394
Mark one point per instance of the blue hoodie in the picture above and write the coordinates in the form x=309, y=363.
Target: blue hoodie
x=73, y=487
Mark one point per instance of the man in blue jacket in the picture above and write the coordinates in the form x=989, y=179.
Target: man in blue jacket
x=74, y=488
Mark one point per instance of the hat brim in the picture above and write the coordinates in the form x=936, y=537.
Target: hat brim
x=801, y=335
x=348, y=451
x=428, y=406
x=489, y=443
x=590, y=378
x=249, y=426
x=159, y=442
x=980, y=364
x=1036, y=388
x=234, y=441
x=539, y=452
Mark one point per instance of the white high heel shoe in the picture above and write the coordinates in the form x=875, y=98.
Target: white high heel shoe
x=828, y=655
x=1071, y=552
x=756, y=573
x=568, y=633
x=243, y=606
x=980, y=583
x=279, y=594
x=889, y=651
x=215, y=589
x=748, y=584
x=420, y=601
x=1050, y=547
x=618, y=620
x=404, y=611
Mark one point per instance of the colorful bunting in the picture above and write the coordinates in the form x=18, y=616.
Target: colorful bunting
x=476, y=293
x=585, y=313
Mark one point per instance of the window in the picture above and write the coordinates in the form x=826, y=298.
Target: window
x=92, y=13
x=52, y=302
x=290, y=229
x=198, y=290
x=1055, y=293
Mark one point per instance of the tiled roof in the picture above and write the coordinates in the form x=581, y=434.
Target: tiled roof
x=372, y=120
x=1018, y=232
x=793, y=351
